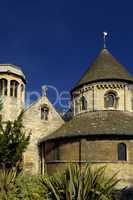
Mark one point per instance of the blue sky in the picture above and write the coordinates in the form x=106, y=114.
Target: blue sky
x=55, y=40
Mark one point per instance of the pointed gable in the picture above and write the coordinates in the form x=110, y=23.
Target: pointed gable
x=41, y=127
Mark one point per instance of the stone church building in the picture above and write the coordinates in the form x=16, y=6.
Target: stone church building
x=100, y=131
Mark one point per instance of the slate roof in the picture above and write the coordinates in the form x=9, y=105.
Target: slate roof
x=110, y=122
x=104, y=67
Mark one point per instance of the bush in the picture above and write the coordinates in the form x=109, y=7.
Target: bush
x=26, y=188
x=13, y=142
x=7, y=182
x=73, y=184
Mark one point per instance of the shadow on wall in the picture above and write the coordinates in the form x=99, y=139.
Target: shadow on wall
x=127, y=194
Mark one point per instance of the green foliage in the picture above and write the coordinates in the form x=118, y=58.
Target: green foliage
x=27, y=188
x=7, y=182
x=13, y=141
x=73, y=184
x=19, y=187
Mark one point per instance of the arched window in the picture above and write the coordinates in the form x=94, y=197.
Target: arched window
x=111, y=100
x=122, y=152
x=3, y=86
x=14, y=88
x=44, y=112
x=83, y=103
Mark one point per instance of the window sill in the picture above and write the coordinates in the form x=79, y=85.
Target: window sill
x=111, y=108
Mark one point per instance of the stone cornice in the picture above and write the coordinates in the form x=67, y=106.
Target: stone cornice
x=100, y=85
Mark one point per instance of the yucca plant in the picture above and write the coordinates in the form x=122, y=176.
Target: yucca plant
x=7, y=181
x=74, y=184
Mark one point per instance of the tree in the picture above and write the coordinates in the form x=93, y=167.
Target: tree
x=13, y=142
x=73, y=184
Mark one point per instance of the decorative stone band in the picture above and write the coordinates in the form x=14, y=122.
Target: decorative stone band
x=110, y=86
x=82, y=90
x=101, y=85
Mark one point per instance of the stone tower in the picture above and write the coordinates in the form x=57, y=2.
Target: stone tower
x=101, y=130
x=12, y=91
x=106, y=85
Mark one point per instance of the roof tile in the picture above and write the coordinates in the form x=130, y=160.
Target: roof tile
x=105, y=67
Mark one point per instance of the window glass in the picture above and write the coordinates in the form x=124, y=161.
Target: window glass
x=44, y=112
x=110, y=100
x=83, y=103
x=3, y=87
x=122, y=151
x=14, y=88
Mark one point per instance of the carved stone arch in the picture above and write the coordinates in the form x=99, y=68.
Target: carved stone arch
x=83, y=103
x=44, y=112
x=22, y=87
x=111, y=99
x=14, y=88
x=3, y=86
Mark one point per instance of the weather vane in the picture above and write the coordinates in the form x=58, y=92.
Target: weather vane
x=104, y=38
x=44, y=90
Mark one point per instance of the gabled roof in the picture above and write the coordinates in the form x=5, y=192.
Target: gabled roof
x=105, y=67
x=112, y=122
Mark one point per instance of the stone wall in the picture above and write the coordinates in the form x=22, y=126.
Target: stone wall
x=96, y=152
x=95, y=92
x=39, y=129
x=105, y=150
x=12, y=106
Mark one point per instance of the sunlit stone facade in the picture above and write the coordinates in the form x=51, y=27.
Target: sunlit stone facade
x=101, y=130
x=95, y=96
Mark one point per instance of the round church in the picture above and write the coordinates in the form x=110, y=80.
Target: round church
x=101, y=129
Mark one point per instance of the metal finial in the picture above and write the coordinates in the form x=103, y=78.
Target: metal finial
x=104, y=38
x=44, y=90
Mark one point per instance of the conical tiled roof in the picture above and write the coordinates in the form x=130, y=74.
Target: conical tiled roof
x=103, y=68
x=110, y=122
